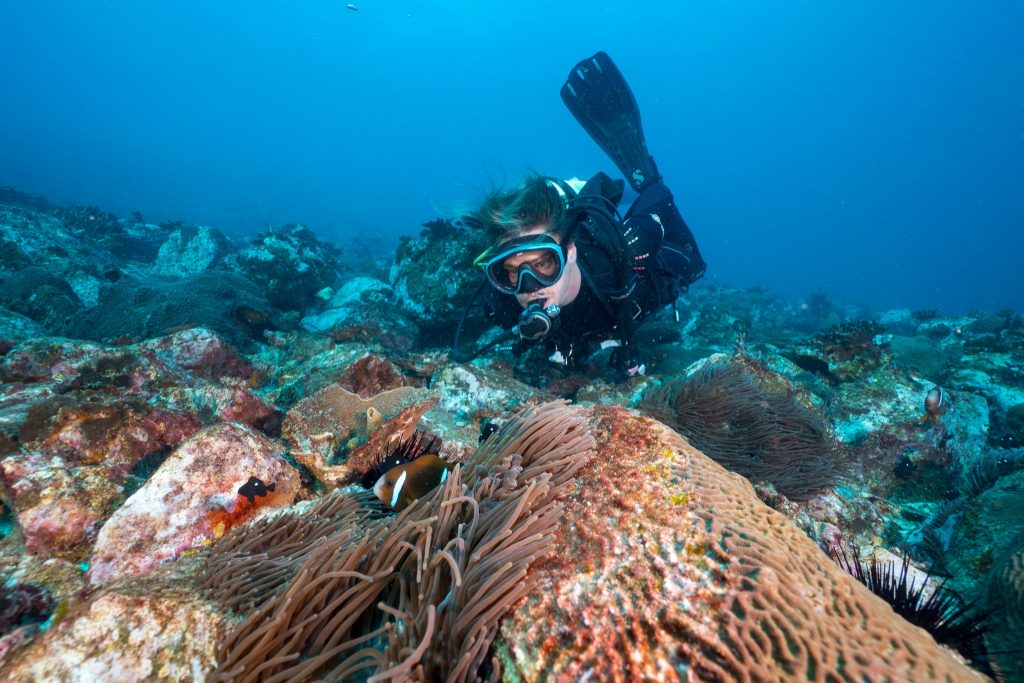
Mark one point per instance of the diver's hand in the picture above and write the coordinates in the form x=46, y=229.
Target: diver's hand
x=625, y=361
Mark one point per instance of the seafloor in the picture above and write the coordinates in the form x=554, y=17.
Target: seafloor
x=187, y=425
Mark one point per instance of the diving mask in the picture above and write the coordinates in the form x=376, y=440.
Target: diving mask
x=525, y=264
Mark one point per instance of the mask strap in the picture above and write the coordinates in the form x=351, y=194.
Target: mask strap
x=557, y=186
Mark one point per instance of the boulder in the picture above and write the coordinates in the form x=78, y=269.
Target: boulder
x=59, y=509
x=289, y=264
x=219, y=477
x=149, y=631
x=191, y=249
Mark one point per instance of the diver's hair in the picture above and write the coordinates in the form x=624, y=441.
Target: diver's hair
x=506, y=213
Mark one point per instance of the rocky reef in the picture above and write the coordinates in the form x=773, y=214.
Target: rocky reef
x=190, y=431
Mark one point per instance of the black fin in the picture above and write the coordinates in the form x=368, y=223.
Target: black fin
x=600, y=99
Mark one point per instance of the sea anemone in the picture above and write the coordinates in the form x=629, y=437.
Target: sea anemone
x=765, y=436
x=991, y=464
x=932, y=539
x=339, y=590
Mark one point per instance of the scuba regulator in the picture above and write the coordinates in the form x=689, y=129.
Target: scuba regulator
x=536, y=321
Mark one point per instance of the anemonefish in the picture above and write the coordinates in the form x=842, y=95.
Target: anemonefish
x=936, y=403
x=404, y=484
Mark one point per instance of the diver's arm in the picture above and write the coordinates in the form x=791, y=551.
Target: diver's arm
x=655, y=218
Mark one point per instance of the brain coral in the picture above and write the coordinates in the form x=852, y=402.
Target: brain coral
x=670, y=568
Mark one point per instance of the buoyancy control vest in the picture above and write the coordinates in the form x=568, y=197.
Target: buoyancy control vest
x=635, y=264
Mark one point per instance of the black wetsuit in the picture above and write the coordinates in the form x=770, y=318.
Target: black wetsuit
x=655, y=244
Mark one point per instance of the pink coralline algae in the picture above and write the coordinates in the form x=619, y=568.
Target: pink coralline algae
x=200, y=352
x=147, y=631
x=58, y=509
x=77, y=449
x=89, y=428
x=179, y=358
x=191, y=500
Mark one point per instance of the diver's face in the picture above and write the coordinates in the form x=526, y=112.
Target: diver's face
x=562, y=291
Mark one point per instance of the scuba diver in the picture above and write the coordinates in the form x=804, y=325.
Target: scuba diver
x=566, y=269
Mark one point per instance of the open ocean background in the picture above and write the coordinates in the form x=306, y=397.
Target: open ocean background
x=873, y=151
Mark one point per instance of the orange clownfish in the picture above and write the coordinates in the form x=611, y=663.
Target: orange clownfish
x=403, y=484
x=936, y=403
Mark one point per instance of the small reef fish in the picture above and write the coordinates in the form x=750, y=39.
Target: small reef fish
x=904, y=467
x=326, y=293
x=352, y=7
x=486, y=429
x=255, y=487
x=936, y=403
x=403, y=484
x=226, y=510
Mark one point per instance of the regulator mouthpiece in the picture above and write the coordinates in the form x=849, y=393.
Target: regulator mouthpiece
x=537, y=321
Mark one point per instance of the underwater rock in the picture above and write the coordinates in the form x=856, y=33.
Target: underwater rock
x=900, y=321
x=1013, y=423
x=360, y=292
x=191, y=249
x=882, y=400
x=851, y=349
x=91, y=428
x=289, y=264
x=58, y=509
x=669, y=567
x=24, y=602
x=304, y=364
x=1000, y=380
x=42, y=296
x=1006, y=594
x=921, y=355
x=471, y=393
x=364, y=310
x=218, y=300
x=199, y=351
x=192, y=499
x=370, y=375
x=989, y=526
x=16, y=400
x=433, y=277
x=716, y=318
x=15, y=327
x=144, y=631
x=245, y=407
x=46, y=359
x=63, y=579
x=192, y=376
x=130, y=239
x=40, y=240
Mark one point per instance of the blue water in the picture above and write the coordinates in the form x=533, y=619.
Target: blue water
x=873, y=151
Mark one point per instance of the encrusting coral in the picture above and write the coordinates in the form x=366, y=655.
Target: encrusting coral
x=764, y=435
x=316, y=426
x=324, y=419
x=340, y=589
